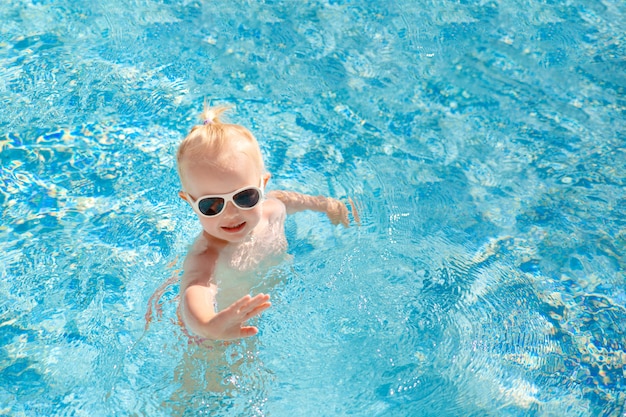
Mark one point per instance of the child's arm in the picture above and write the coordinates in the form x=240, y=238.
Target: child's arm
x=336, y=211
x=198, y=301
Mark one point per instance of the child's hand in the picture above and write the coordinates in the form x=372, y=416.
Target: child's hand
x=229, y=323
x=337, y=212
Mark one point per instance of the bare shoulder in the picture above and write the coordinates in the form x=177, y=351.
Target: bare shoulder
x=274, y=209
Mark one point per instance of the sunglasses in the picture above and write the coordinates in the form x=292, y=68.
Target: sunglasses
x=212, y=205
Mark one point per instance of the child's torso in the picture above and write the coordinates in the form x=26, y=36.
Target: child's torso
x=241, y=266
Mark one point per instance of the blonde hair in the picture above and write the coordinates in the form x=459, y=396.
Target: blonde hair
x=213, y=137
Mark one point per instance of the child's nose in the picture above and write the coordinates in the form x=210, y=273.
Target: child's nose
x=230, y=208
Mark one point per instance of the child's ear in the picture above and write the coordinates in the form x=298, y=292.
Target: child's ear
x=266, y=178
x=182, y=195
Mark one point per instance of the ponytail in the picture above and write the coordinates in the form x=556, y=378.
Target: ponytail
x=211, y=115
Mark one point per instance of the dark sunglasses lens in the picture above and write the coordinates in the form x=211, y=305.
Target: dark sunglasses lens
x=211, y=206
x=247, y=198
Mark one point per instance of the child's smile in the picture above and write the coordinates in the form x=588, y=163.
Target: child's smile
x=234, y=229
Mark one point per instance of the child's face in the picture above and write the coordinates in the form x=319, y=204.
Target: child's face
x=232, y=172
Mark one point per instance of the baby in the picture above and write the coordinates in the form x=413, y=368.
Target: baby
x=223, y=179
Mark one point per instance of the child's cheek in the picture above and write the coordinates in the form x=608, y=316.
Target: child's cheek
x=209, y=225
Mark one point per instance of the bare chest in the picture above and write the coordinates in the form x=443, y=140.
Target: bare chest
x=241, y=267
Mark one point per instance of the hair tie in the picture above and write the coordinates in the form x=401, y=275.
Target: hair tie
x=208, y=122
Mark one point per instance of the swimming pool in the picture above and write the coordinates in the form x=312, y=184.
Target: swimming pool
x=483, y=143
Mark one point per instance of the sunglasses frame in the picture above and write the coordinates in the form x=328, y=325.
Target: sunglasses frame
x=195, y=204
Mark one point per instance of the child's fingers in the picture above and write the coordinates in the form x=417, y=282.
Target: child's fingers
x=248, y=299
x=355, y=212
x=248, y=331
x=344, y=217
x=255, y=301
x=254, y=305
x=247, y=303
x=343, y=214
x=257, y=311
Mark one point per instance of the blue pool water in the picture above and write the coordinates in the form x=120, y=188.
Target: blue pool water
x=482, y=142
